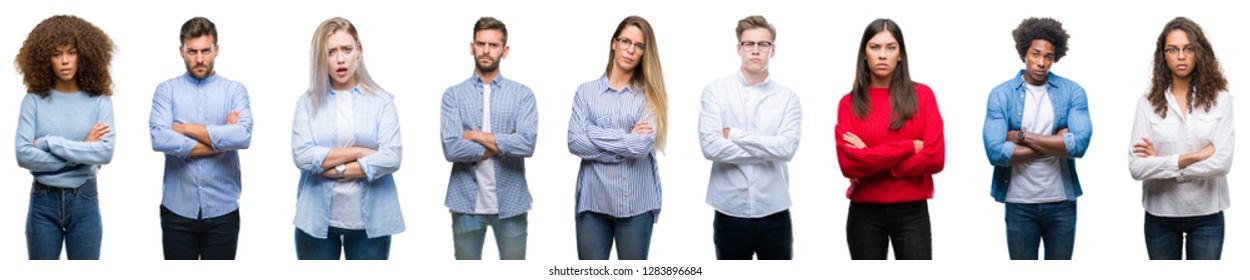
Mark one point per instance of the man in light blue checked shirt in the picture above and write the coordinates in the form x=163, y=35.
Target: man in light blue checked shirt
x=489, y=126
x=199, y=120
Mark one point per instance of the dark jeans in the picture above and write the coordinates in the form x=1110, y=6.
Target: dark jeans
x=354, y=244
x=64, y=216
x=769, y=237
x=596, y=232
x=872, y=227
x=1033, y=223
x=1202, y=237
x=215, y=238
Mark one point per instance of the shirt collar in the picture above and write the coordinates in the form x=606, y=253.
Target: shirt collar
x=606, y=86
x=1050, y=79
x=478, y=79
x=205, y=80
x=355, y=90
x=742, y=79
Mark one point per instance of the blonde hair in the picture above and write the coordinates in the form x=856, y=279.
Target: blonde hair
x=648, y=75
x=319, y=77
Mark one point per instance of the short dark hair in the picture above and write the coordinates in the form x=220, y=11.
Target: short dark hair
x=1047, y=29
x=490, y=23
x=196, y=27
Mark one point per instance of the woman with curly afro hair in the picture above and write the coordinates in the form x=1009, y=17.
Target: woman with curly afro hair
x=1182, y=146
x=64, y=134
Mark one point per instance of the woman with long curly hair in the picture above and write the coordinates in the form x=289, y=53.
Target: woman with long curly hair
x=64, y=134
x=1182, y=146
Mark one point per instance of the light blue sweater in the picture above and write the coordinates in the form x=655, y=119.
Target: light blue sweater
x=60, y=123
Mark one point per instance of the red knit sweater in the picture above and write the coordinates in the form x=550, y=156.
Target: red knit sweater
x=889, y=170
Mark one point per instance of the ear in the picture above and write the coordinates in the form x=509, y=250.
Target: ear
x=472, y=52
x=505, y=52
x=772, y=52
x=216, y=50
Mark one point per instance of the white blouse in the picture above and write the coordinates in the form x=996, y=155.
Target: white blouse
x=1198, y=189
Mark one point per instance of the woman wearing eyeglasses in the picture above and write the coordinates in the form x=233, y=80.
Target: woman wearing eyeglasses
x=889, y=143
x=618, y=122
x=1182, y=147
x=346, y=142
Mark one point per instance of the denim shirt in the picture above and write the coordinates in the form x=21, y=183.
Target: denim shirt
x=1005, y=111
x=315, y=133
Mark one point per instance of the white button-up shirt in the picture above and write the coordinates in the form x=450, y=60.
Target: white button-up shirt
x=749, y=176
x=1200, y=188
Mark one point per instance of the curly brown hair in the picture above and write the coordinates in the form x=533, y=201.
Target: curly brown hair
x=1207, y=79
x=1047, y=29
x=95, y=51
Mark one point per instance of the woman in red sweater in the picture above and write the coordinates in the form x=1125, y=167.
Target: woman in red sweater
x=890, y=144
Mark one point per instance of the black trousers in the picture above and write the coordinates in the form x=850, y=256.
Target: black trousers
x=768, y=238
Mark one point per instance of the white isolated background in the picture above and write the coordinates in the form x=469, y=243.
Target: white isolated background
x=416, y=49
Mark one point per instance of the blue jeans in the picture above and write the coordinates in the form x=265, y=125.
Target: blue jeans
x=767, y=238
x=469, y=232
x=64, y=215
x=595, y=233
x=1029, y=224
x=353, y=243
x=215, y=238
x=1202, y=237
x=872, y=227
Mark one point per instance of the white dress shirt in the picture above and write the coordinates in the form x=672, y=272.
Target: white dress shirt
x=749, y=176
x=1200, y=188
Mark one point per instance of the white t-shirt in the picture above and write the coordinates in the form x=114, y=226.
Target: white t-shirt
x=1038, y=181
x=487, y=200
x=345, y=202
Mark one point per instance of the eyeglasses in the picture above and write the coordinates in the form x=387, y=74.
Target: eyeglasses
x=624, y=44
x=761, y=45
x=1173, y=51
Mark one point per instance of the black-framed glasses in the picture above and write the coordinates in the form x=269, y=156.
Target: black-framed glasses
x=762, y=45
x=625, y=43
x=1173, y=51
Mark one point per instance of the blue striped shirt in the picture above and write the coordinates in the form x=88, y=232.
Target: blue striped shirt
x=201, y=187
x=315, y=132
x=50, y=134
x=514, y=121
x=618, y=175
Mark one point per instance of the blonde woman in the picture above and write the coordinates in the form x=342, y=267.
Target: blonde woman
x=618, y=122
x=346, y=142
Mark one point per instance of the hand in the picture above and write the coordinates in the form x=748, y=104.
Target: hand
x=1145, y=148
x=178, y=127
x=489, y=153
x=853, y=141
x=642, y=127
x=1013, y=135
x=919, y=145
x=234, y=117
x=726, y=130
x=1061, y=131
x=471, y=135
x=97, y=131
x=330, y=174
x=35, y=143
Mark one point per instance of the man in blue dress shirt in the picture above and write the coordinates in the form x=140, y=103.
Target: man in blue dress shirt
x=199, y=121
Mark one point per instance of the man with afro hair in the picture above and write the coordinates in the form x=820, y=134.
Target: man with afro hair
x=1036, y=125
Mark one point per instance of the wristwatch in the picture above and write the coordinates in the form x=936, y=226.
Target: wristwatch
x=339, y=169
x=1020, y=137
